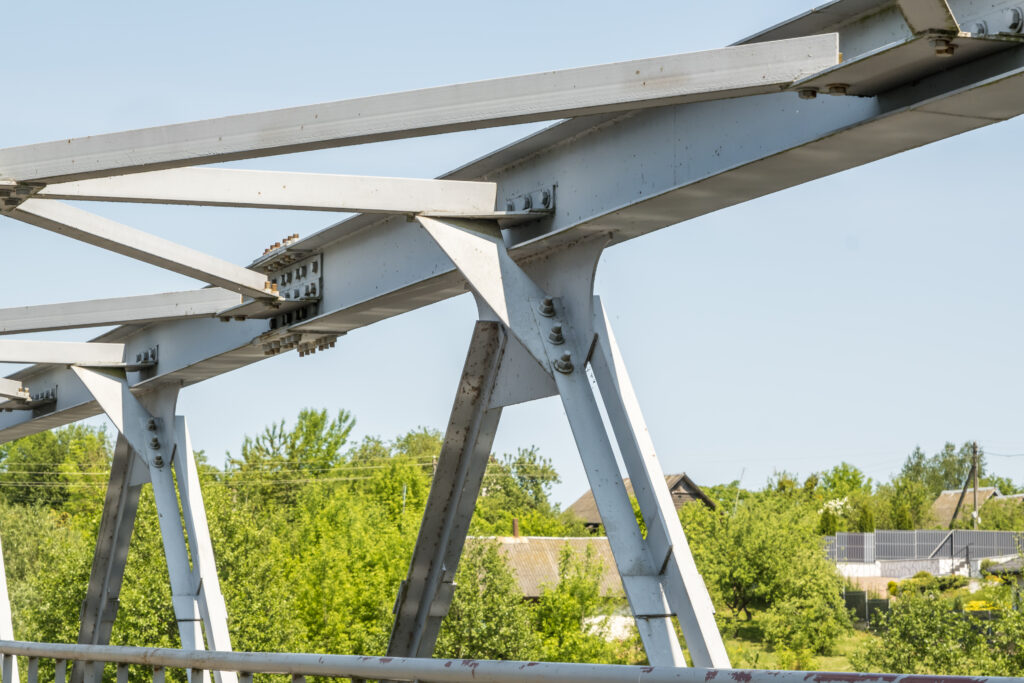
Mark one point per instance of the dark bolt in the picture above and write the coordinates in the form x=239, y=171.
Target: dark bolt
x=547, y=307
x=555, y=336
x=564, y=364
x=154, y=443
x=158, y=461
x=151, y=424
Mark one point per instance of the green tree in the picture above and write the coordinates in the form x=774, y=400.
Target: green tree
x=571, y=616
x=488, y=618
x=767, y=555
x=62, y=467
x=922, y=634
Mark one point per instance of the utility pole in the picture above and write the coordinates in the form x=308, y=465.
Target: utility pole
x=974, y=469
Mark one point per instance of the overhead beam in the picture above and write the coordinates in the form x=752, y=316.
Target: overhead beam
x=87, y=227
x=117, y=311
x=713, y=74
x=93, y=354
x=280, y=190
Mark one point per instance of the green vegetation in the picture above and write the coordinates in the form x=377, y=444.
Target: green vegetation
x=313, y=533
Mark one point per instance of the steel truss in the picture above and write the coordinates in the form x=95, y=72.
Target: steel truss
x=522, y=228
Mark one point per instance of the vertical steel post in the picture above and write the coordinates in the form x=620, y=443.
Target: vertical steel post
x=152, y=431
x=10, y=664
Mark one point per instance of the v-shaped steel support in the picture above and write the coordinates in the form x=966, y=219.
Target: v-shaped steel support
x=153, y=446
x=562, y=335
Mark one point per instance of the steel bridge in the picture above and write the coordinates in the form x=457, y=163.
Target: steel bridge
x=637, y=146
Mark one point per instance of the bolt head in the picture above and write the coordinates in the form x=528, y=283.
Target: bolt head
x=808, y=94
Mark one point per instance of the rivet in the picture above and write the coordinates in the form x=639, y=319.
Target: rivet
x=808, y=94
x=555, y=336
x=154, y=443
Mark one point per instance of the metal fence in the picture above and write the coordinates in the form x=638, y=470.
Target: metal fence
x=298, y=666
x=921, y=545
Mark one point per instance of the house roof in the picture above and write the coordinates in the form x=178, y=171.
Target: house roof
x=534, y=560
x=683, y=490
x=1014, y=566
x=945, y=504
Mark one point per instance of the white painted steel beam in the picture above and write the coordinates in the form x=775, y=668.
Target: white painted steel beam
x=95, y=354
x=675, y=172
x=426, y=594
x=282, y=190
x=13, y=390
x=118, y=311
x=713, y=74
x=86, y=227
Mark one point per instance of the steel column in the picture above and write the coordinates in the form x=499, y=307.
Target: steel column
x=9, y=665
x=426, y=594
x=478, y=250
x=151, y=429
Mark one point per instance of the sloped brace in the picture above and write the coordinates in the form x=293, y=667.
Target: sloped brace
x=204, y=567
x=9, y=666
x=684, y=588
x=102, y=598
x=149, y=426
x=104, y=233
x=478, y=251
x=426, y=594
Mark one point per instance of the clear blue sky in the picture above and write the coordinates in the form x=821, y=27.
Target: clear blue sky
x=851, y=318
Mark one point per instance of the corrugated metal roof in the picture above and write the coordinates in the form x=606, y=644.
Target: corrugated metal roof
x=683, y=491
x=534, y=560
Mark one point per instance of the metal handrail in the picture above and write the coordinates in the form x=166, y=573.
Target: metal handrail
x=431, y=670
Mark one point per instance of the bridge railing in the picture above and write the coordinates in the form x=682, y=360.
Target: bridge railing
x=298, y=666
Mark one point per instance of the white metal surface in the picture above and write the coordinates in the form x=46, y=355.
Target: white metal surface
x=281, y=190
x=427, y=591
x=61, y=353
x=151, y=430
x=13, y=389
x=118, y=311
x=106, y=234
x=9, y=667
x=447, y=670
x=728, y=72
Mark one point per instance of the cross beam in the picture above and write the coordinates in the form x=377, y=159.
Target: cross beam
x=93, y=354
x=86, y=227
x=118, y=311
x=728, y=72
x=281, y=190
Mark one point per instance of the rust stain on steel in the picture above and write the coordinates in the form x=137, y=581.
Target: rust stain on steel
x=742, y=676
x=709, y=675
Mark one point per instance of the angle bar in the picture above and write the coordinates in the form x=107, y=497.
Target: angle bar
x=94, y=354
x=924, y=15
x=282, y=190
x=712, y=74
x=118, y=311
x=107, y=234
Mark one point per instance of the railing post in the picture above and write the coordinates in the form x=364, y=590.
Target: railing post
x=244, y=677
x=158, y=674
x=33, y=670
x=122, y=673
x=60, y=671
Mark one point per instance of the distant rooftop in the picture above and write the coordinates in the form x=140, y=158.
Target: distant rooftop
x=683, y=489
x=534, y=560
x=945, y=504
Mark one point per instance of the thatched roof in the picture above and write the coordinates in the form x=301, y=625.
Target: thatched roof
x=945, y=504
x=534, y=560
x=683, y=490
